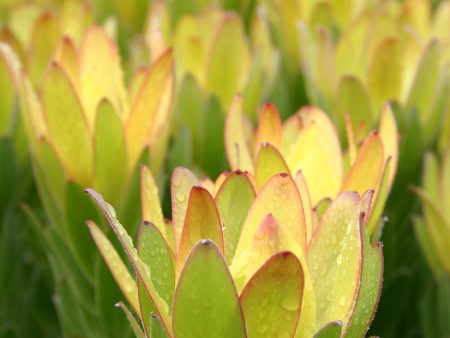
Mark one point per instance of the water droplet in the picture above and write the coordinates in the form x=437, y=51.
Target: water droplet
x=262, y=328
x=290, y=303
x=339, y=259
x=342, y=300
x=176, y=183
x=179, y=196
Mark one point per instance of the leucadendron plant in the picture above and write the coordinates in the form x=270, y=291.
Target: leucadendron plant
x=215, y=56
x=86, y=127
x=433, y=233
x=396, y=51
x=306, y=146
x=239, y=260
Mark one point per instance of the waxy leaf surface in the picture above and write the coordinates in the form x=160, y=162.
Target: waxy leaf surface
x=206, y=303
x=272, y=299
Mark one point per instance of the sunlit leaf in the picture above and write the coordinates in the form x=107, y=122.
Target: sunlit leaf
x=271, y=300
x=202, y=221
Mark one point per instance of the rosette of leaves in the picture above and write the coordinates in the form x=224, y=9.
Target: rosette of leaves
x=215, y=55
x=86, y=127
x=393, y=51
x=307, y=146
x=240, y=260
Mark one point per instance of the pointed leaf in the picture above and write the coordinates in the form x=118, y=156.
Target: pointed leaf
x=182, y=182
x=234, y=199
x=269, y=162
x=140, y=267
x=269, y=127
x=134, y=324
x=67, y=128
x=368, y=167
x=202, y=221
x=116, y=266
x=156, y=254
x=369, y=293
x=352, y=99
x=206, y=302
x=389, y=137
x=101, y=74
x=150, y=204
x=335, y=257
x=271, y=299
x=150, y=109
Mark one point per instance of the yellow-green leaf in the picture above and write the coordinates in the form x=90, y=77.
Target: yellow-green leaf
x=150, y=204
x=150, y=109
x=182, y=182
x=101, y=74
x=269, y=128
x=110, y=152
x=281, y=198
x=269, y=162
x=116, y=266
x=206, y=303
x=272, y=298
x=367, y=169
x=236, y=142
x=67, y=128
x=234, y=199
x=335, y=258
x=202, y=221
x=142, y=271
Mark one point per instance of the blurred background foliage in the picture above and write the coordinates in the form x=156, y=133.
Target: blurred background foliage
x=347, y=57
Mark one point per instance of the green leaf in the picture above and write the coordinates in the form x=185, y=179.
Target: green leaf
x=67, y=128
x=79, y=208
x=134, y=324
x=331, y=330
x=385, y=72
x=206, y=303
x=7, y=95
x=202, y=221
x=269, y=162
x=142, y=272
x=157, y=329
x=110, y=152
x=116, y=266
x=370, y=289
x=212, y=155
x=271, y=299
x=234, y=199
x=424, y=88
x=352, y=98
x=226, y=69
x=150, y=204
x=335, y=259
x=156, y=254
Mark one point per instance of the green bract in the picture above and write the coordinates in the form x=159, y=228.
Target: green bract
x=239, y=260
